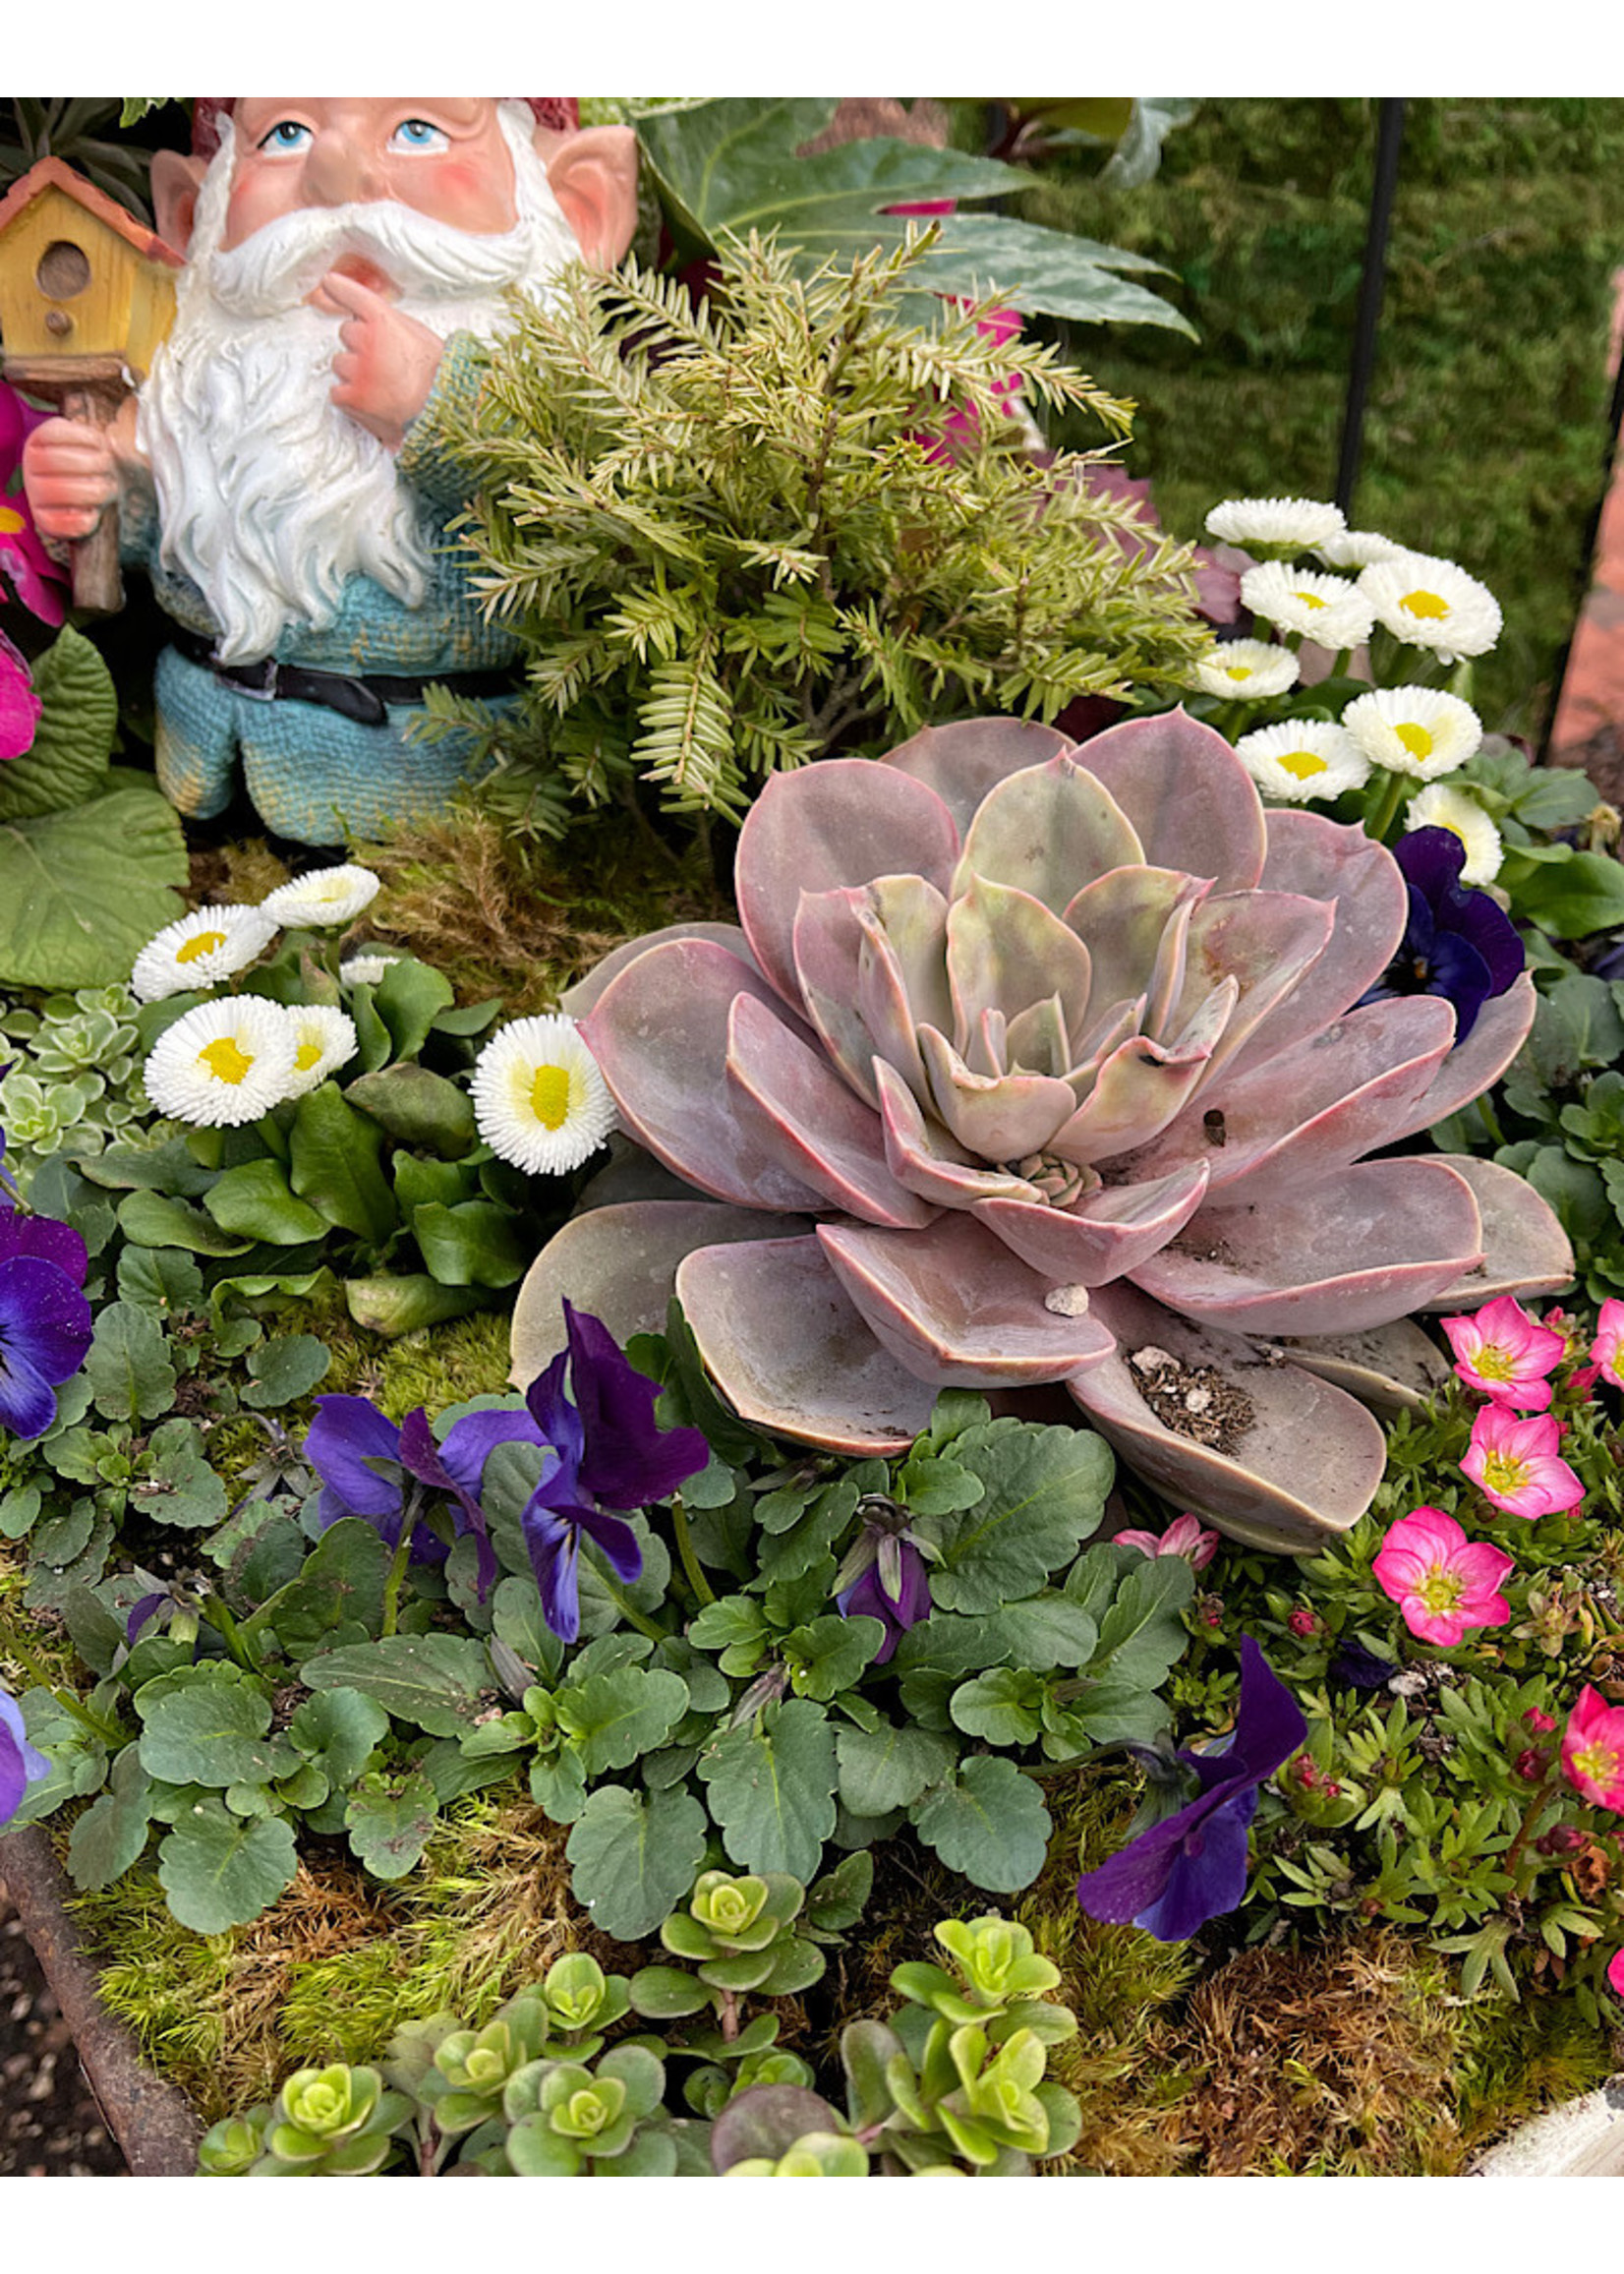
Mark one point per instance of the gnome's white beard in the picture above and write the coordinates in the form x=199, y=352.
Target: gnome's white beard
x=269, y=496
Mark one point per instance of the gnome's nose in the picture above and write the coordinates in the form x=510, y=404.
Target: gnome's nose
x=338, y=171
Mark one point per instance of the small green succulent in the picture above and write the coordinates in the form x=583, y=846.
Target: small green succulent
x=334, y=2122
x=567, y=2120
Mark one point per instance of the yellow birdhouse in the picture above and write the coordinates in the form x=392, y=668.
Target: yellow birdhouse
x=79, y=275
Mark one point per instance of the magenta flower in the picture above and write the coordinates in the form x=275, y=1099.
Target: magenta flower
x=1185, y=1535
x=1593, y=1750
x=1606, y=1349
x=1615, y=1973
x=1503, y=1353
x=1443, y=1582
x=36, y=578
x=1514, y=1462
x=21, y=1765
x=19, y=706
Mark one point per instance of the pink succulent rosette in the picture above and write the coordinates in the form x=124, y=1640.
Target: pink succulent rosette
x=1514, y=1462
x=1029, y=1063
x=1443, y=1583
x=1185, y=1535
x=1607, y=1350
x=1593, y=1751
x=1504, y=1352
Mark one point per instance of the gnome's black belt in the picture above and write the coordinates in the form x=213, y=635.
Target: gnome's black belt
x=362, y=699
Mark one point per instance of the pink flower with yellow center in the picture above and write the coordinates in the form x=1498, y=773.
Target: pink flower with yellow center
x=1443, y=1582
x=1592, y=1753
x=1607, y=1350
x=1513, y=1461
x=1505, y=1354
x=1185, y=1535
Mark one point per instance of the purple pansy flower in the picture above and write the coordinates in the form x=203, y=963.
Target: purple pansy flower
x=19, y=706
x=1192, y=1866
x=606, y=1446
x=364, y=1460
x=1458, y=943
x=44, y=1324
x=40, y=584
x=21, y=1764
x=897, y=1599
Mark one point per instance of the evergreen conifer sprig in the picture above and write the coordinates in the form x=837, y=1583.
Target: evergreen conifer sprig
x=724, y=538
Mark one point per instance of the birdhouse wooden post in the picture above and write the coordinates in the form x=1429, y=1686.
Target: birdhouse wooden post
x=87, y=294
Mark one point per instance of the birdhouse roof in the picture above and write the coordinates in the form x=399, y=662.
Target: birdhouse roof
x=57, y=174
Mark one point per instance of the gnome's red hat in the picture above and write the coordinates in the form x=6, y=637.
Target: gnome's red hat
x=560, y=112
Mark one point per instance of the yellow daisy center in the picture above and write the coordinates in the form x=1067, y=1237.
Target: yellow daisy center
x=1302, y=765
x=1415, y=740
x=11, y=521
x=1493, y=1362
x=549, y=1095
x=1238, y=672
x=199, y=944
x=1504, y=1473
x=1424, y=602
x=225, y=1061
x=308, y=1053
x=1312, y=600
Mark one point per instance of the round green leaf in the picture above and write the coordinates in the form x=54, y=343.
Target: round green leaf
x=634, y=1857
x=219, y=1871
x=987, y=1823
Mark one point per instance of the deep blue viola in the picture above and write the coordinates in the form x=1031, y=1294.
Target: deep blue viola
x=1456, y=943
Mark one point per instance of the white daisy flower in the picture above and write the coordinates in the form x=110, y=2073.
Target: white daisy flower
x=1358, y=547
x=1303, y=758
x=324, y=1040
x=365, y=969
x=539, y=1098
x=326, y=896
x=1432, y=604
x=1417, y=731
x=1328, y=610
x=1246, y=670
x=223, y=1063
x=198, y=949
x=1438, y=806
x=1295, y=521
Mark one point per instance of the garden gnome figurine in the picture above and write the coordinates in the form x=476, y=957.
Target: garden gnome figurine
x=283, y=474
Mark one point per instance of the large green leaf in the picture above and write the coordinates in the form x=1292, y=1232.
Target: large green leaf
x=82, y=891
x=634, y=1857
x=68, y=757
x=890, y=1768
x=219, y=1871
x=728, y=167
x=389, y=1819
x=111, y=1834
x=432, y=1680
x=1045, y=1493
x=333, y=1153
x=987, y=1823
x=212, y=1733
x=127, y=1365
x=772, y=1790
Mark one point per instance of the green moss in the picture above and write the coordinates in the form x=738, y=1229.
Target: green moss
x=1516, y=2060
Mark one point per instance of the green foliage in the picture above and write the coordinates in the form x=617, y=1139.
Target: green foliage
x=726, y=552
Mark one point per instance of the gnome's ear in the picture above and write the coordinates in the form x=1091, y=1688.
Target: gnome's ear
x=176, y=181
x=593, y=174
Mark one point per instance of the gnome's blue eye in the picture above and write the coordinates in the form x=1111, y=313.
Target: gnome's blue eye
x=288, y=134
x=416, y=134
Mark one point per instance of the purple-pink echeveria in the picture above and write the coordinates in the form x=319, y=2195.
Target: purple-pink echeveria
x=21, y=1764
x=1443, y=1582
x=1028, y=1057
x=1192, y=1866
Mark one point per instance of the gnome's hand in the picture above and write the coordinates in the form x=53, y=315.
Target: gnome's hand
x=387, y=360
x=71, y=470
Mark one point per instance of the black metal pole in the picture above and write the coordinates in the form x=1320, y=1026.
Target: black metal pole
x=1389, y=135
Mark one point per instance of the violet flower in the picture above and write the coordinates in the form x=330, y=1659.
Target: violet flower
x=44, y=1319
x=1458, y=943
x=21, y=1764
x=363, y=1461
x=605, y=1446
x=1192, y=1866
x=899, y=1598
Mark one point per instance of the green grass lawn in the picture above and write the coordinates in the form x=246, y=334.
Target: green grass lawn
x=1486, y=423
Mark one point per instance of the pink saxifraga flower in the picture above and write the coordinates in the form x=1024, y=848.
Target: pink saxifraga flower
x=1502, y=1352
x=1593, y=1749
x=1615, y=1973
x=19, y=706
x=1443, y=1582
x=1513, y=1461
x=1607, y=1350
x=1185, y=1535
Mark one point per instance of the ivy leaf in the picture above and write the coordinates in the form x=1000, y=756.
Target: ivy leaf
x=610, y=1719
x=334, y=1163
x=1045, y=1489
x=390, y=1819
x=128, y=1366
x=434, y=1681
x=288, y=1367
x=890, y=1768
x=67, y=761
x=219, y=1871
x=634, y=1857
x=772, y=1788
x=989, y=1823
x=112, y=1831
x=211, y=1734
